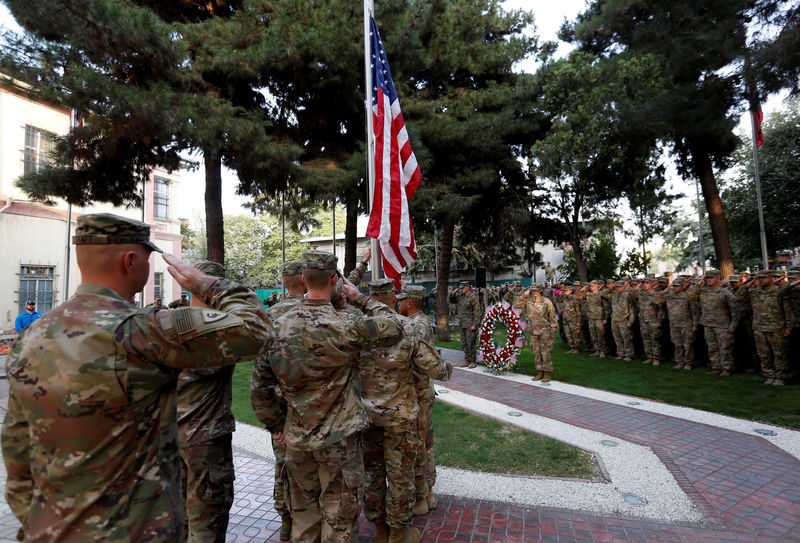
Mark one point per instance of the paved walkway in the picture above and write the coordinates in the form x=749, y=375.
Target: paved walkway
x=746, y=488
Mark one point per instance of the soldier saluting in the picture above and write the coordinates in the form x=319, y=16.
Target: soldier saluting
x=90, y=440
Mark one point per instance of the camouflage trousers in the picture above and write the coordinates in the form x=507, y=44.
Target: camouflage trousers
x=683, y=339
x=773, y=348
x=325, y=492
x=651, y=338
x=623, y=338
x=425, y=464
x=207, y=483
x=468, y=343
x=280, y=492
x=542, y=347
x=572, y=329
x=598, y=332
x=720, y=348
x=389, y=457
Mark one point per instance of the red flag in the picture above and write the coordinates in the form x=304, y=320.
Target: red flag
x=758, y=117
x=397, y=174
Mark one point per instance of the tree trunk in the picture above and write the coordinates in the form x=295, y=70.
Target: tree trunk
x=442, y=303
x=215, y=234
x=350, y=235
x=580, y=263
x=573, y=227
x=716, y=214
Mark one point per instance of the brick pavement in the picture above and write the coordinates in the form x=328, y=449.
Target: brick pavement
x=747, y=489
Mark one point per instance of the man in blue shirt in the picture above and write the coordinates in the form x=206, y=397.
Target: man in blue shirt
x=28, y=317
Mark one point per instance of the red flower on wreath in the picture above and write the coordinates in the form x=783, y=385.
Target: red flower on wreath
x=500, y=357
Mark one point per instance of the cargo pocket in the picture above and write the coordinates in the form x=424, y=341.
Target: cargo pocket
x=352, y=496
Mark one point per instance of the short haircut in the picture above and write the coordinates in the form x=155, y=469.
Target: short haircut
x=293, y=282
x=317, y=278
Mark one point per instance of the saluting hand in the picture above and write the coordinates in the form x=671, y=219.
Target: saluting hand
x=185, y=274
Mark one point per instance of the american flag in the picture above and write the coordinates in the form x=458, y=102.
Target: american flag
x=397, y=173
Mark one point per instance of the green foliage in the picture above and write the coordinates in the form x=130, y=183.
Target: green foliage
x=601, y=259
x=634, y=264
x=779, y=169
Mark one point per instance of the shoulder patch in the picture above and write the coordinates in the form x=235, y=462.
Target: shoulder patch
x=183, y=320
x=213, y=315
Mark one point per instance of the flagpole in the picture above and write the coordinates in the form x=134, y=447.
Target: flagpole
x=764, y=256
x=370, y=140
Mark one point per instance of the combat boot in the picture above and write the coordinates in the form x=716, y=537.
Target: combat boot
x=286, y=527
x=381, y=531
x=465, y=364
x=677, y=367
x=421, y=505
x=601, y=355
x=539, y=376
x=769, y=381
x=725, y=373
x=431, y=499
x=546, y=378
x=656, y=362
x=406, y=534
x=472, y=365
x=778, y=382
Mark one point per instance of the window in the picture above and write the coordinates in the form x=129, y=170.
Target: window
x=161, y=198
x=39, y=146
x=36, y=283
x=158, y=285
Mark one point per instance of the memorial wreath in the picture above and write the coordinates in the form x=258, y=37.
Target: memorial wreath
x=496, y=357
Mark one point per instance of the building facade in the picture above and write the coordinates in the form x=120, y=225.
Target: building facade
x=38, y=257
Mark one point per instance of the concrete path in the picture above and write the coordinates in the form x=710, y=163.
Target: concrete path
x=745, y=487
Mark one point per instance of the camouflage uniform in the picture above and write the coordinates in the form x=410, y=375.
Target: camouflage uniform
x=313, y=362
x=469, y=315
x=180, y=302
x=280, y=490
x=90, y=439
x=622, y=316
x=542, y=329
x=595, y=314
x=718, y=314
x=744, y=352
x=772, y=315
x=571, y=315
x=682, y=319
x=390, y=399
x=651, y=318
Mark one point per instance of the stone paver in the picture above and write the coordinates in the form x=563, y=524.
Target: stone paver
x=747, y=489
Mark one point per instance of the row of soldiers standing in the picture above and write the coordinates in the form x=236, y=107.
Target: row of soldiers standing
x=762, y=312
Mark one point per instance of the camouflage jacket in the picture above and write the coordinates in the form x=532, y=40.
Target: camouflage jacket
x=288, y=302
x=314, y=361
x=90, y=438
x=718, y=308
x=622, y=307
x=541, y=316
x=651, y=307
x=681, y=309
x=595, y=307
x=572, y=308
x=742, y=295
x=421, y=327
x=387, y=383
x=204, y=404
x=468, y=307
x=771, y=309
x=515, y=298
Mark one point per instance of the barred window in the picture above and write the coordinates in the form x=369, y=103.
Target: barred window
x=161, y=198
x=158, y=285
x=39, y=146
x=36, y=283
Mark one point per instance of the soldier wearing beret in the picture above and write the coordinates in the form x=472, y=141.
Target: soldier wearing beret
x=469, y=318
x=313, y=361
x=205, y=427
x=93, y=391
x=390, y=442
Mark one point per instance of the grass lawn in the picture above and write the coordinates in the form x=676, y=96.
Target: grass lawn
x=740, y=395
x=469, y=441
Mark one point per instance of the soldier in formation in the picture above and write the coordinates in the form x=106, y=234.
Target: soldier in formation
x=651, y=319
x=571, y=317
x=683, y=317
x=542, y=329
x=112, y=451
x=597, y=318
x=622, y=318
x=719, y=315
x=469, y=318
x=772, y=326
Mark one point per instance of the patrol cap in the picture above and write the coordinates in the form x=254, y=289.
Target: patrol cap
x=677, y=282
x=610, y=282
x=778, y=273
x=735, y=278
x=381, y=287
x=764, y=273
x=319, y=260
x=110, y=229
x=292, y=267
x=208, y=267
x=620, y=283
x=663, y=280
x=413, y=291
x=596, y=282
x=536, y=286
x=464, y=284
x=712, y=273
x=577, y=284
x=793, y=274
